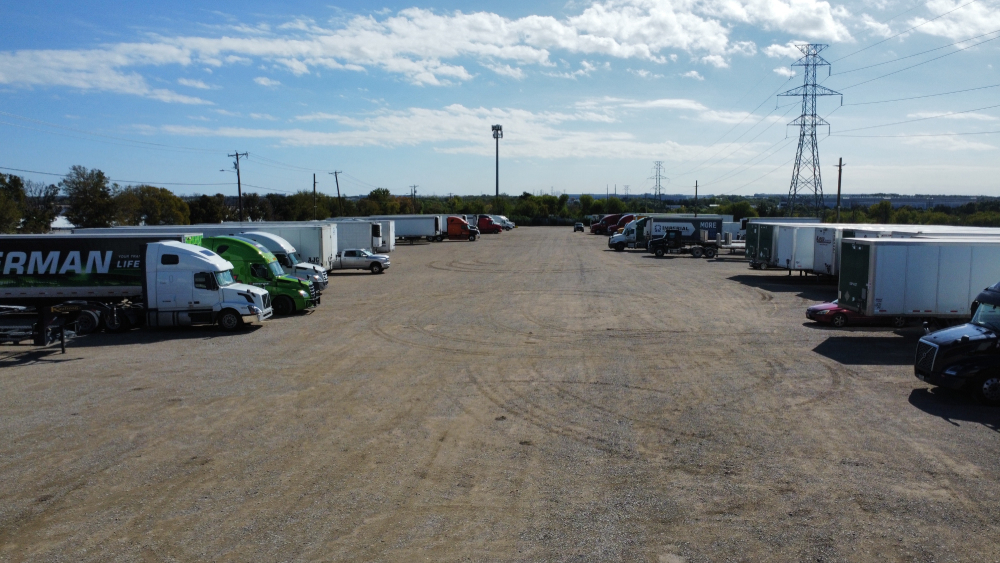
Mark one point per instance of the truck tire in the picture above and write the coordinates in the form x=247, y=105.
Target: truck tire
x=283, y=305
x=697, y=252
x=710, y=252
x=988, y=390
x=117, y=321
x=230, y=320
x=899, y=322
x=619, y=246
x=438, y=238
x=762, y=266
x=659, y=253
x=376, y=268
x=472, y=238
x=839, y=320
x=87, y=322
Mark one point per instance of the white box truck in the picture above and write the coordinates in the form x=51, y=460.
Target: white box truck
x=911, y=277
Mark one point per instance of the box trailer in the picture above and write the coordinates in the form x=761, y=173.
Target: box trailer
x=413, y=227
x=357, y=234
x=762, y=242
x=388, y=232
x=911, y=277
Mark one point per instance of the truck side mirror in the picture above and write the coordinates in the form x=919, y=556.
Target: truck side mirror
x=927, y=327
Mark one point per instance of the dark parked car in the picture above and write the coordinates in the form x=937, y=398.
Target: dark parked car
x=578, y=227
x=834, y=314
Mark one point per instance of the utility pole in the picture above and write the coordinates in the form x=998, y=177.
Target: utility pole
x=840, y=175
x=626, y=191
x=337, y=180
x=314, y=197
x=239, y=184
x=696, y=198
x=658, y=175
x=806, y=177
x=413, y=196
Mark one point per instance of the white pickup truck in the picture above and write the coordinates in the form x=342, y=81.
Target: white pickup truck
x=359, y=259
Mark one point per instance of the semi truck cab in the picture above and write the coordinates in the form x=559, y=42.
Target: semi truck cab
x=289, y=258
x=186, y=284
x=966, y=356
x=255, y=265
x=459, y=229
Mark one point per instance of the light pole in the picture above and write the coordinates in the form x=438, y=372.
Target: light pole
x=497, y=135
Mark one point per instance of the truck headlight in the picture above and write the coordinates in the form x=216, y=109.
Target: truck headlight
x=253, y=309
x=304, y=293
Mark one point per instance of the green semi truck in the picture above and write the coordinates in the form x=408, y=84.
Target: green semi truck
x=255, y=265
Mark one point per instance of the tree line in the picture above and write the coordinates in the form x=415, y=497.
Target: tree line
x=87, y=198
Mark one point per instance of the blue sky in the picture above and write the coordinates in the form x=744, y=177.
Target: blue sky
x=589, y=94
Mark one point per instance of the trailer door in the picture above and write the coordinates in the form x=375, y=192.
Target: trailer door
x=920, y=294
x=890, y=280
x=954, y=283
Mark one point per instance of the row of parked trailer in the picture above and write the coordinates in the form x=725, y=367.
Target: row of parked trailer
x=229, y=274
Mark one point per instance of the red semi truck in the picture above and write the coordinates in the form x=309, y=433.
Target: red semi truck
x=488, y=226
x=606, y=224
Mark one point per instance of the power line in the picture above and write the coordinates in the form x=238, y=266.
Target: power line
x=921, y=63
x=920, y=97
x=920, y=119
x=906, y=31
x=916, y=135
x=897, y=59
x=122, y=181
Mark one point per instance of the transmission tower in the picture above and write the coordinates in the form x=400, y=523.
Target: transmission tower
x=658, y=176
x=806, y=178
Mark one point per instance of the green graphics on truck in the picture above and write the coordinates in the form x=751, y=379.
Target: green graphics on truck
x=854, y=270
x=37, y=266
x=255, y=265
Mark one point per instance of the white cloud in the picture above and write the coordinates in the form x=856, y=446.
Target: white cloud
x=506, y=70
x=194, y=84
x=264, y=116
x=947, y=143
x=974, y=19
x=785, y=71
x=876, y=27
x=643, y=73
x=788, y=50
x=265, y=81
x=317, y=117
x=421, y=45
x=457, y=129
x=693, y=74
x=972, y=116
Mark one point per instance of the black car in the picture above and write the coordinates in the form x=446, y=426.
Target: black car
x=578, y=227
x=966, y=356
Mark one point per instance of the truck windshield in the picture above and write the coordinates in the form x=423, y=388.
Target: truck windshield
x=293, y=258
x=276, y=268
x=364, y=253
x=987, y=316
x=225, y=278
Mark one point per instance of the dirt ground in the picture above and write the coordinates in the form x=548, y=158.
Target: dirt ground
x=531, y=396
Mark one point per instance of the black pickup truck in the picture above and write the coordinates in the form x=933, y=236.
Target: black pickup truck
x=966, y=356
x=677, y=241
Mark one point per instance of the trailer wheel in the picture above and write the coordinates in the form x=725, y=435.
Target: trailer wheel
x=899, y=322
x=230, y=320
x=619, y=246
x=839, y=320
x=472, y=238
x=87, y=322
x=376, y=268
x=283, y=305
x=762, y=266
x=438, y=238
x=988, y=390
x=697, y=252
x=117, y=321
x=709, y=252
x=659, y=253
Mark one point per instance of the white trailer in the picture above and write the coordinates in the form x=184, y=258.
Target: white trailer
x=315, y=242
x=415, y=227
x=357, y=234
x=934, y=278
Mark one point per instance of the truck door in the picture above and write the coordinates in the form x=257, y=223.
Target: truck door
x=173, y=288
x=350, y=259
x=205, y=291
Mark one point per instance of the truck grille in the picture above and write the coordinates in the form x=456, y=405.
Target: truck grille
x=267, y=301
x=312, y=291
x=324, y=277
x=926, y=354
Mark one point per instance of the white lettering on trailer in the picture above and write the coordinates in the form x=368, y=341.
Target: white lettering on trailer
x=72, y=263
x=15, y=261
x=36, y=264
x=94, y=259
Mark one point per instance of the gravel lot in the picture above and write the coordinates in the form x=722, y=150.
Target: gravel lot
x=530, y=396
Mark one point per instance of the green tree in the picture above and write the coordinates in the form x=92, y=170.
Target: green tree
x=738, y=209
x=149, y=205
x=881, y=212
x=12, y=199
x=613, y=205
x=586, y=204
x=210, y=209
x=90, y=198
x=40, y=207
